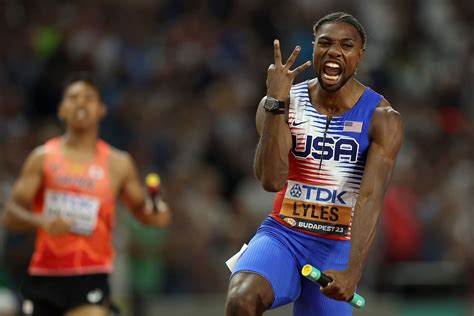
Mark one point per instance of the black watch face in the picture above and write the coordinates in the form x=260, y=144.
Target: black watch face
x=271, y=105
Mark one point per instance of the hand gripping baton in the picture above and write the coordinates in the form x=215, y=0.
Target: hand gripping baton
x=153, y=182
x=316, y=276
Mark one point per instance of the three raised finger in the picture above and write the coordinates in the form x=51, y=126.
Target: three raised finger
x=290, y=61
x=301, y=68
x=292, y=57
x=277, y=52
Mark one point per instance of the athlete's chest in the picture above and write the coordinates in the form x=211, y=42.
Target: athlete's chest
x=77, y=176
x=317, y=136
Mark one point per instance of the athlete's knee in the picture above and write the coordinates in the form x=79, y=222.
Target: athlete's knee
x=243, y=301
x=88, y=310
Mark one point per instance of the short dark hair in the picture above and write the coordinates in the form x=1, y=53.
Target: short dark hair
x=342, y=17
x=83, y=76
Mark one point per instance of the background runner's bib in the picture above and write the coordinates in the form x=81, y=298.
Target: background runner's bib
x=80, y=192
x=81, y=209
x=325, y=172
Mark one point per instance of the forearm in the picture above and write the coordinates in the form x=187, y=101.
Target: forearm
x=137, y=208
x=19, y=218
x=363, y=231
x=271, y=158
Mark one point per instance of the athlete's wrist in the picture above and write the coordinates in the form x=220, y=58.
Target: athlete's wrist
x=274, y=106
x=279, y=96
x=40, y=221
x=355, y=271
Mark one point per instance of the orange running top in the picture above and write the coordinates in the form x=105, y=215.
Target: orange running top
x=81, y=192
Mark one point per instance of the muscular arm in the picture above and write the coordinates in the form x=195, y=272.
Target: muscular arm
x=271, y=157
x=17, y=210
x=386, y=135
x=386, y=139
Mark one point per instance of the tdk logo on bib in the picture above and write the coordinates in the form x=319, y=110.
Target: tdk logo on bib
x=318, y=194
x=296, y=191
x=338, y=148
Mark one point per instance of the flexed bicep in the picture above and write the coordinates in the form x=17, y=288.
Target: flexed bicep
x=386, y=140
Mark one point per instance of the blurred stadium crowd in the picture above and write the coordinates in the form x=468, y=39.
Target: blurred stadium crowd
x=182, y=80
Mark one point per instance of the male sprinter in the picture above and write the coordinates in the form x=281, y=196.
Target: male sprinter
x=71, y=184
x=328, y=146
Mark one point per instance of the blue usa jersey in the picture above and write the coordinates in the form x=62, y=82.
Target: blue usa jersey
x=326, y=165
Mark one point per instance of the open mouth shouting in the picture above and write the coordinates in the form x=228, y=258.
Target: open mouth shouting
x=80, y=114
x=331, y=73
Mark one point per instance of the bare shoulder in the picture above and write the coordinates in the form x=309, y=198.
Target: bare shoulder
x=120, y=159
x=387, y=129
x=36, y=158
x=386, y=119
x=38, y=152
x=121, y=167
x=386, y=110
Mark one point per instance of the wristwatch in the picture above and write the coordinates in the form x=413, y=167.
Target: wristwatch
x=274, y=106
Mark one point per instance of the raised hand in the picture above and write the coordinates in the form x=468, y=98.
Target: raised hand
x=280, y=77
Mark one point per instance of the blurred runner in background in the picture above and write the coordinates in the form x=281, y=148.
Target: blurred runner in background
x=67, y=192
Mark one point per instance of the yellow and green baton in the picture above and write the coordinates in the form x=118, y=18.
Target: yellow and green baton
x=153, y=182
x=316, y=276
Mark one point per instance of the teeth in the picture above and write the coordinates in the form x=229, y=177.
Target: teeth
x=332, y=65
x=332, y=78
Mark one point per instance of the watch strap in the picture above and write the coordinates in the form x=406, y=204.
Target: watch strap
x=281, y=108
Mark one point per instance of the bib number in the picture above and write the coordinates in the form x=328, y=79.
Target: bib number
x=81, y=209
x=324, y=210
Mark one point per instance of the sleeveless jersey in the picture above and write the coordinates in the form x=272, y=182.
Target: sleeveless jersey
x=326, y=165
x=80, y=192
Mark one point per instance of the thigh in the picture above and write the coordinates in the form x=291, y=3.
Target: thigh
x=328, y=255
x=38, y=308
x=88, y=310
x=68, y=292
x=40, y=297
x=273, y=262
x=91, y=291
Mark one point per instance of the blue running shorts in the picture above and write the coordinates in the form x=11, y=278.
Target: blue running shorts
x=278, y=253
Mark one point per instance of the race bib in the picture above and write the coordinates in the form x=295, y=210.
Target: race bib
x=81, y=209
x=324, y=210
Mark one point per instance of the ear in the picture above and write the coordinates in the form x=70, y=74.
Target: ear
x=61, y=114
x=102, y=110
x=361, y=53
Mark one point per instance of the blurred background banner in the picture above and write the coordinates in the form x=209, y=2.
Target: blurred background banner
x=182, y=80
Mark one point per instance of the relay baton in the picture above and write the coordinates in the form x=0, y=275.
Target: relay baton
x=316, y=276
x=152, y=182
